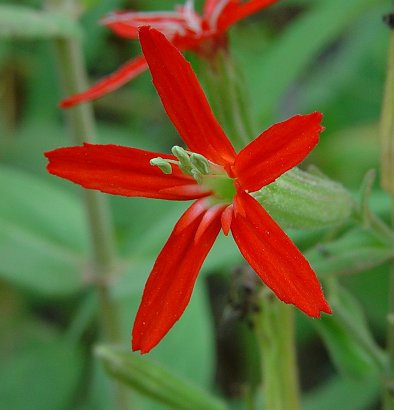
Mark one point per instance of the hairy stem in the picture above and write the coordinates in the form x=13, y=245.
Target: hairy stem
x=276, y=336
x=81, y=121
x=227, y=98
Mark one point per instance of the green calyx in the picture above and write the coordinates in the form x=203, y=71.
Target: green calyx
x=305, y=200
x=222, y=186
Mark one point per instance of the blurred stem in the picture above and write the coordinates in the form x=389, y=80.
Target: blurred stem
x=275, y=330
x=81, y=120
x=226, y=89
x=387, y=171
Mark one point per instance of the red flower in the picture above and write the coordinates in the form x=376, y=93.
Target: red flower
x=186, y=29
x=223, y=193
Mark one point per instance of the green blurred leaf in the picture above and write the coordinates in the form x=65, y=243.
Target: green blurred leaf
x=154, y=381
x=274, y=71
x=23, y=22
x=343, y=393
x=358, y=142
x=42, y=235
x=36, y=264
x=41, y=376
x=363, y=46
x=356, y=251
x=348, y=338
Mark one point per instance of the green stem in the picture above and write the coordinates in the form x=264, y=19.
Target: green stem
x=81, y=121
x=227, y=98
x=387, y=181
x=275, y=323
x=275, y=330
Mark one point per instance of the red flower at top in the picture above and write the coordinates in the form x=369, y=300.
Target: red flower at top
x=186, y=29
x=221, y=181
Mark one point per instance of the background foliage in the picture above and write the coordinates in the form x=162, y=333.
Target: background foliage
x=298, y=56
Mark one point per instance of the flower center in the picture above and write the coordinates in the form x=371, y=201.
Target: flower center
x=205, y=172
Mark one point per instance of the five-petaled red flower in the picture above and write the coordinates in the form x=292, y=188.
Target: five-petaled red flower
x=186, y=29
x=223, y=193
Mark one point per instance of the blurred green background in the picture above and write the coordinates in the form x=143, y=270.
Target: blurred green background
x=296, y=57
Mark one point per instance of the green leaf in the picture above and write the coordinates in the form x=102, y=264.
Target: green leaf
x=348, y=338
x=299, y=45
x=40, y=376
x=42, y=235
x=154, y=381
x=34, y=263
x=356, y=251
x=302, y=200
x=343, y=393
x=25, y=23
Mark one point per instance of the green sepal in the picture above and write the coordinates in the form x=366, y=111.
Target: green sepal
x=154, y=381
x=347, y=337
x=26, y=23
x=303, y=200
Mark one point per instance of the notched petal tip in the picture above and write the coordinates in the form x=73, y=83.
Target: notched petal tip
x=144, y=30
x=136, y=347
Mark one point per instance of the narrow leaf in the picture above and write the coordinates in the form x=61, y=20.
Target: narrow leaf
x=155, y=382
x=348, y=339
x=26, y=23
x=299, y=46
x=356, y=251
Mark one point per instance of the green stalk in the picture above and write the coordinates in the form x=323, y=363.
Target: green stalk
x=274, y=324
x=387, y=171
x=81, y=121
x=275, y=331
x=227, y=97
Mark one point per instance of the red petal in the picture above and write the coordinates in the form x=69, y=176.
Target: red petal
x=183, y=99
x=275, y=258
x=277, y=150
x=121, y=171
x=227, y=217
x=122, y=75
x=211, y=214
x=210, y=7
x=125, y=23
x=235, y=11
x=170, y=284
